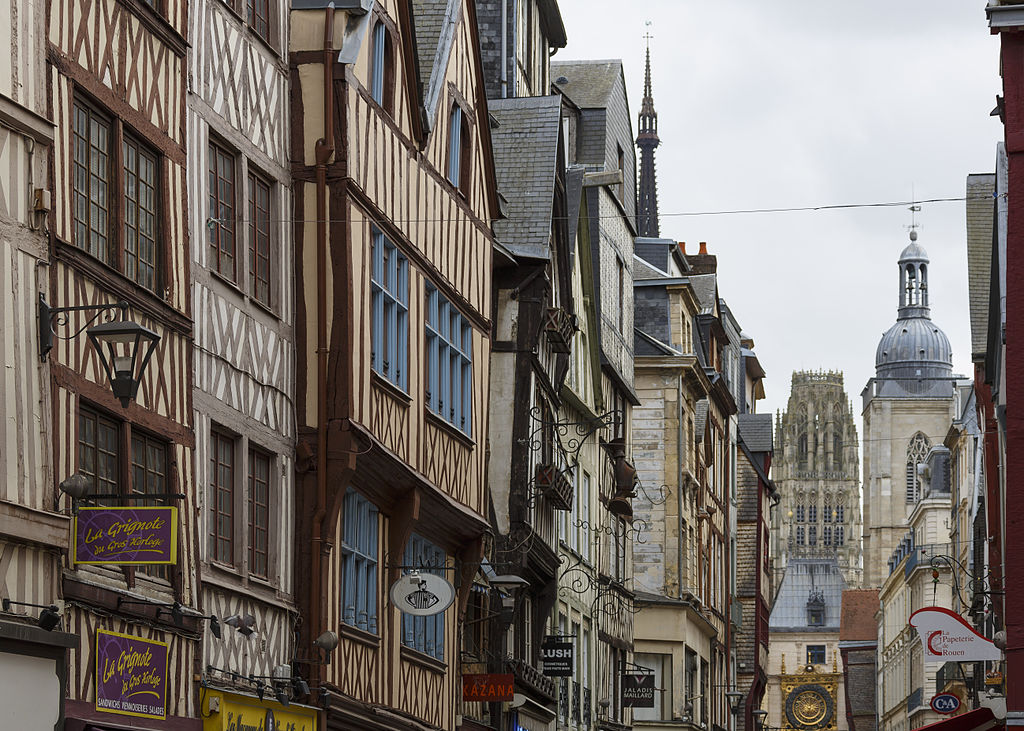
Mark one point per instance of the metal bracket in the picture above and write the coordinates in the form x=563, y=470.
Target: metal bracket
x=50, y=317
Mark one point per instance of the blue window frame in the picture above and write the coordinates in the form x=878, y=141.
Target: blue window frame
x=359, y=563
x=390, y=311
x=424, y=634
x=455, y=145
x=449, y=362
x=377, y=70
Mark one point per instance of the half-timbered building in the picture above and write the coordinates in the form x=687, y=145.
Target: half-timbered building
x=32, y=531
x=394, y=194
x=116, y=80
x=243, y=269
x=600, y=139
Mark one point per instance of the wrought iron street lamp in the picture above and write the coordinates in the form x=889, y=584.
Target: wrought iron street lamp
x=124, y=347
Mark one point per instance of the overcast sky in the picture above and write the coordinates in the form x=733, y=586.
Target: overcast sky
x=798, y=103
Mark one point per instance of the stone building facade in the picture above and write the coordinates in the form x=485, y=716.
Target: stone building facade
x=816, y=472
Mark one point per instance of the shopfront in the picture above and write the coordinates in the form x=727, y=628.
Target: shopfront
x=226, y=711
x=33, y=675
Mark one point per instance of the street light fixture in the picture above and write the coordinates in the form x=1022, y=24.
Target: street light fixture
x=48, y=618
x=759, y=717
x=735, y=698
x=128, y=348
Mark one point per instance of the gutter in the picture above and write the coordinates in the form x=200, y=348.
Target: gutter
x=1002, y=17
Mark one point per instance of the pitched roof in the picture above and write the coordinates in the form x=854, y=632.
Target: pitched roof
x=980, y=210
x=705, y=288
x=700, y=420
x=434, y=30
x=589, y=83
x=756, y=431
x=857, y=622
x=802, y=577
x=654, y=344
x=642, y=270
x=525, y=157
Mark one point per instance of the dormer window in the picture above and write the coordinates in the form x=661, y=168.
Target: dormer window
x=381, y=68
x=816, y=609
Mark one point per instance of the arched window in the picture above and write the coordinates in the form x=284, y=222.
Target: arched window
x=826, y=510
x=801, y=439
x=382, y=68
x=801, y=513
x=917, y=450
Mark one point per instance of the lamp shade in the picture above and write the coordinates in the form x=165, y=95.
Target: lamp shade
x=124, y=348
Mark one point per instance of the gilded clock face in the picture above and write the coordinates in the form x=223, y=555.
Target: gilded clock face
x=810, y=707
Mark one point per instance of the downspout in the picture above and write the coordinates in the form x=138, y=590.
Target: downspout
x=323, y=151
x=515, y=47
x=504, y=48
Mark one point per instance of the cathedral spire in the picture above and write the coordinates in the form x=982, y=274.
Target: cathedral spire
x=647, y=141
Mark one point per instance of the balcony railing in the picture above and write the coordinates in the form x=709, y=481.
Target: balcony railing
x=556, y=486
x=563, y=700
x=559, y=326
x=586, y=708
x=575, y=702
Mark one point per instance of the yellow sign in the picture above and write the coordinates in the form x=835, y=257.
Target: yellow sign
x=248, y=713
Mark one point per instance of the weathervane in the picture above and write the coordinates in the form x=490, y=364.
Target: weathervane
x=647, y=35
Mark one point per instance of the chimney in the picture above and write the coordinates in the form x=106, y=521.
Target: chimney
x=703, y=247
x=682, y=247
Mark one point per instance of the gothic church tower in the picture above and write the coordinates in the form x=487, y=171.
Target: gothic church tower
x=647, y=141
x=816, y=472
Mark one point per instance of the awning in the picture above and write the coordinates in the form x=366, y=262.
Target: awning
x=980, y=719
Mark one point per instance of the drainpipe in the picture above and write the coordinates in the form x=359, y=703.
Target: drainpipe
x=504, y=48
x=323, y=151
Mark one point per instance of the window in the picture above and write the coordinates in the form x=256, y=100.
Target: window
x=389, y=292
x=259, y=239
x=812, y=535
x=140, y=213
x=801, y=513
x=359, y=563
x=381, y=70
x=424, y=634
x=815, y=654
x=826, y=511
x=92, y=182
x=258, y=17
x=917, y=451
x=222, y=497
x=584, y=525
x=458, y=148
x=840, y=536
x=800, y=535
x=259, y=512
x=840, y=513
x=149, y=477
x=449, y=362
x=98, y=452
x=812, y=514
x=621, y=271
x=826, y=535
x=222, y=212
x=95, y=199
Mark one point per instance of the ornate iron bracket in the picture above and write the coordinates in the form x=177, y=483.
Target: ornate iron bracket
x=608, y=597
x=978, y=585
x=52, y=317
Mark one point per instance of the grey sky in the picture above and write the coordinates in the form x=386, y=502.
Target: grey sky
x=785, y=103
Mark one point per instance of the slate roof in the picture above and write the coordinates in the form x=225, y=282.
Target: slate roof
x=525, y=156
x=655, y=345
x=430, y=18
x=980, y=192
x=802, y=576
x=574, y=200
x=590, y=83
x=756, y=431
x=643, y=270
x=704, y=288
x=857, y=620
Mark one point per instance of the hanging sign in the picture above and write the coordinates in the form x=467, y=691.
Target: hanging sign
x=945, y=703
x=422, y=594
x=126, y=536
x=638, y=690
x=556, y=652
x=947, y=637
x=488, y=687
x=131, y=675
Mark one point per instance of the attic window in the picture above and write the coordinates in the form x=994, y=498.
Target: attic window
x=458, y=148
x=382, y=68
x=816, y=609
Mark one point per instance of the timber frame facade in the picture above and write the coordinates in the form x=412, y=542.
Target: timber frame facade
x=394, y=192
x=116, y=81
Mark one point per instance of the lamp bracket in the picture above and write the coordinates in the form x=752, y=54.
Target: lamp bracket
x=51, y=317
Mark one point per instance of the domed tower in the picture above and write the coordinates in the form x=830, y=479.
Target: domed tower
x=907, y=409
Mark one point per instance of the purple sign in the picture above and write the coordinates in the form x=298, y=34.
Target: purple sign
x=126, y=536
x=131, y=675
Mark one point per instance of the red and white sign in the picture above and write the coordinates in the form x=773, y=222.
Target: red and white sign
x=946, y=636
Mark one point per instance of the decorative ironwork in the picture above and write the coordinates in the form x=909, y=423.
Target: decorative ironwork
x=52, y=317
x=570, y=436
x=560, y=326
x=610, y=597
x=978, y=585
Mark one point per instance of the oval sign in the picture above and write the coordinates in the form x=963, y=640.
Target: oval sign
x=422, y=595
x=945, y=703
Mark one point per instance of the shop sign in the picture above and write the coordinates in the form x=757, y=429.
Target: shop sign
x=945, y=703
x=556, y=652
x=131, y=675
x=126, y=536
x=638, y=690
x=488, y=687
x=422, y=595
x=237, y=712
x=947, y=637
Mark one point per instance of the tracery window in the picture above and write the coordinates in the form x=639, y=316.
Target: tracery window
x=917, y=450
